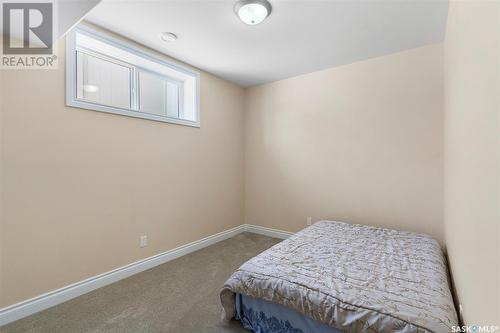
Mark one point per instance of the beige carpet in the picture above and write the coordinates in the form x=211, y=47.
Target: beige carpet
x=179, y=296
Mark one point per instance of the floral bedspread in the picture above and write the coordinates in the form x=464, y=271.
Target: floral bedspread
x=352, y=277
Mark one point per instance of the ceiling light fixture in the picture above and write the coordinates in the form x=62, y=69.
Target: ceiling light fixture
x=252, y=12
x=168, y=37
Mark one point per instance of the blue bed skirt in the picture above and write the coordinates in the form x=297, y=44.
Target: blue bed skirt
x=262, y=316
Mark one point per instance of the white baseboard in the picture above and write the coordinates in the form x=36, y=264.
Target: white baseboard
x=267, y=231
x=25, y=308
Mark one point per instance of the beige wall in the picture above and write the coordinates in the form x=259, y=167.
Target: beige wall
x=472, y=157
x=1, y=183
x=80, y=187
x=359, y=143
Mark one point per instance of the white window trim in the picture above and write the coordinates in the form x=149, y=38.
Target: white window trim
x=71, y=98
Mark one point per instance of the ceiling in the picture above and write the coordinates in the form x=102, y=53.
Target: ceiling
x=300, y=36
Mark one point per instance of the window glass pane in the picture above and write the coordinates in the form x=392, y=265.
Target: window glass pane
x=172, y=99
x=158, y=95
x=188, y=108
x=152, y=94
x=103, y=82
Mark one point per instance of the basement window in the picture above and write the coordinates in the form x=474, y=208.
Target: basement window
x=106, y=74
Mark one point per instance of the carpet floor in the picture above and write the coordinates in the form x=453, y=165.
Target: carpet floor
x=179, y=296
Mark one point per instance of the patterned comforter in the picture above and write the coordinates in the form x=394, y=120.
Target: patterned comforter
x=354, y=278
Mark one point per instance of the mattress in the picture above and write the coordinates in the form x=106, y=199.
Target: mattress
x=261, y=316
x=353, y=278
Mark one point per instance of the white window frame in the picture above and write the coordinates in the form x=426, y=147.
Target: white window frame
x=71, y=83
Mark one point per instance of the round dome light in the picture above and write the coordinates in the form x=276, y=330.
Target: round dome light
x=252, y=12
x=168, y=37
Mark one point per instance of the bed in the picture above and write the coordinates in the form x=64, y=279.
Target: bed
x=337, y=277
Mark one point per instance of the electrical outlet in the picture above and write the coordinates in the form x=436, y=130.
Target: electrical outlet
x=309, y=221
x=143, y=241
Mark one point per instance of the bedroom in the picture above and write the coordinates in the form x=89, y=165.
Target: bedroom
x=157, y=156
